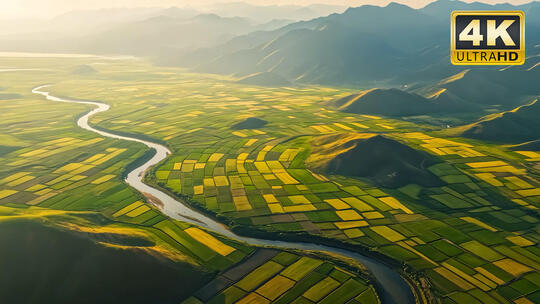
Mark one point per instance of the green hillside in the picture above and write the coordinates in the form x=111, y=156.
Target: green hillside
x=492, y=87
x=387, y=102
x=518, y=125
x=380, y=159
x=528, y=146
x=48, y=264
x=249, y=123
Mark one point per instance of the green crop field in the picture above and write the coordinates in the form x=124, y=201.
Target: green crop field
x=472, y=237
x=56, y=175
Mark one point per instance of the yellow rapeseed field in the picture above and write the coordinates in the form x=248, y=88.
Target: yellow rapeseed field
x=388, y=233
x=210, y=241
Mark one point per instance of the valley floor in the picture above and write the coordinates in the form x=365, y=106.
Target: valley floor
x=472, y=239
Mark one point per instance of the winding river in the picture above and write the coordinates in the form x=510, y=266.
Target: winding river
x=393, y=289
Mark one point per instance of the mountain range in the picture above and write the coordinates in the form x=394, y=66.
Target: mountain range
x=268, y=12
x=362, y=46
x=479, y=91
x=367, y=45
x=153, y=32
x=317, y=44
x=142, y=33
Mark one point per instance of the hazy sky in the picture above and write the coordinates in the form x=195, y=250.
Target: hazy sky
x=19, y=8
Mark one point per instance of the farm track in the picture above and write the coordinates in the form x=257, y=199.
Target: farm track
x=391, y=286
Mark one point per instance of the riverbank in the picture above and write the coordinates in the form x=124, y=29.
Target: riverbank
x=417, y=282
x=394, y=288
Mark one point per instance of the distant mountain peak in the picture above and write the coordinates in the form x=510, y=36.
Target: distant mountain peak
x=208, y=16
x=397, y=5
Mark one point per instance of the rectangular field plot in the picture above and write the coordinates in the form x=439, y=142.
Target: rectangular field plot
x=473, y=233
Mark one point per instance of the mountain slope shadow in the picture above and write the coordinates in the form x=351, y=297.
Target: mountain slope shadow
x=515, y=126
x=249, y=123
x=388, y=102
x=385, y=162
x=41, y=264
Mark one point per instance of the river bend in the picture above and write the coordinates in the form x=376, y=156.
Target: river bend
x=392, y=287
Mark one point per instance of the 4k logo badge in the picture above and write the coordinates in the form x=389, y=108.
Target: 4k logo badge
x=488, y=38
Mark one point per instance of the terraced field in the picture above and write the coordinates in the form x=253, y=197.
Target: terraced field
x=471, y=240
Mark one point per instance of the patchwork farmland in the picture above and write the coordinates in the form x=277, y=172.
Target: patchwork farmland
x=472, y=239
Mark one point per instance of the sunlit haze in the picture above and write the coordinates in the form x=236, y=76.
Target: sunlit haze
x=50, y=8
